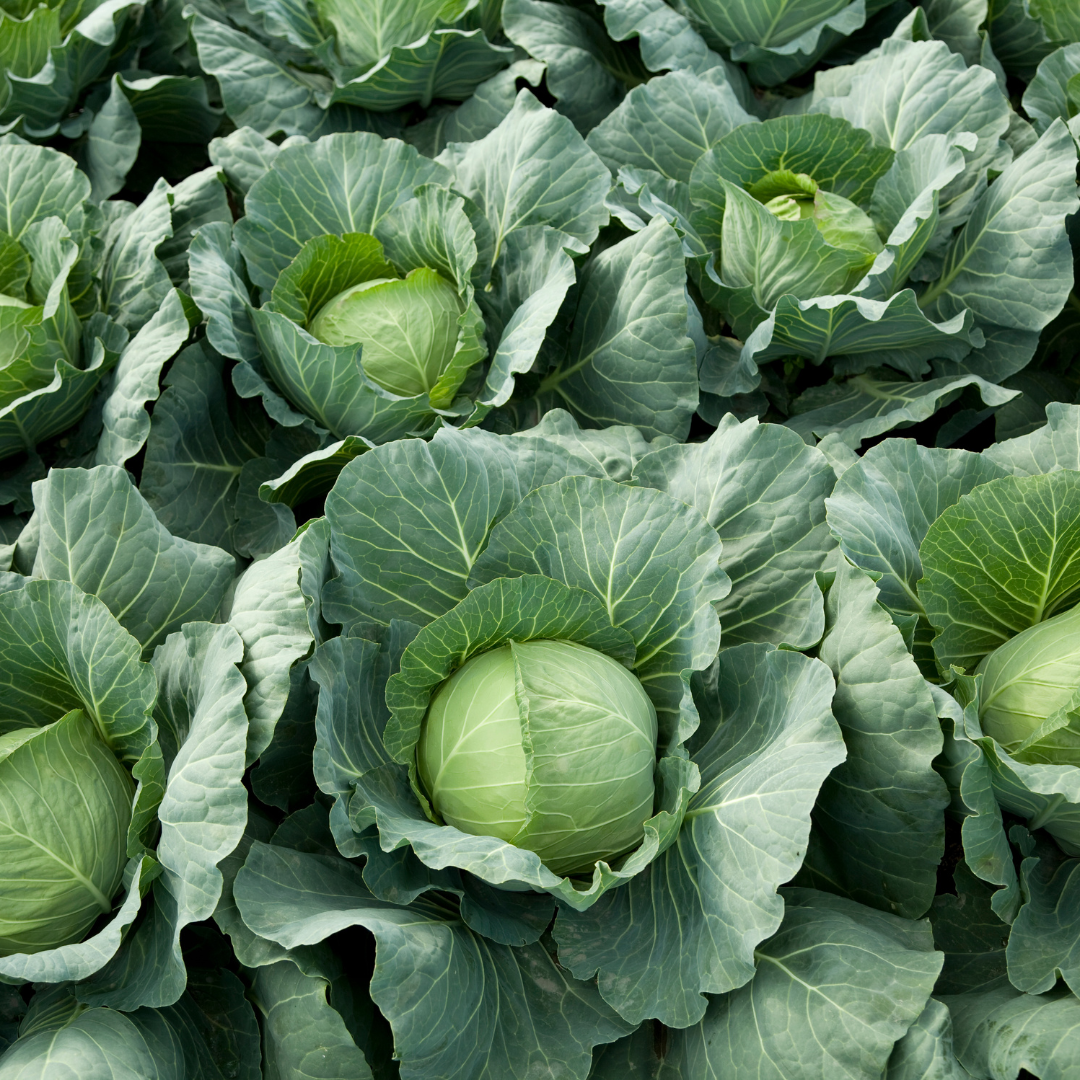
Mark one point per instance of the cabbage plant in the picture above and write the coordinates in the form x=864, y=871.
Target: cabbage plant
x=329, y=65
x=123, y=744
x=104, y=81
x=90, y=309
x=400, y=292
x=900, y=288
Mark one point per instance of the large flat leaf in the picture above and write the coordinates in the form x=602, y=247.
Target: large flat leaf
x=667, y=123
x=459, y=1004
x=907, y=89
x=585, y=69
x=99, y=532
x=835, y=988
x=409, y=519
x=1024, y=211
x=692, y=922
x=197, y=447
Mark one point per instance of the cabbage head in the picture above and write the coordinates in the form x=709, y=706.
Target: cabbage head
x=408, y=328
x=65, y=807
x=549, y=745
x=1031, y=690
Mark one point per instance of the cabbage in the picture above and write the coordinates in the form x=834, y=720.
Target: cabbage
x=1030, y=689
x=548, y=745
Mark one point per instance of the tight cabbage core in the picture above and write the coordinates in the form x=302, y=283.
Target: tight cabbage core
x=1031, y=692
x=408, y=328
x=548, y=745
x=65, y=805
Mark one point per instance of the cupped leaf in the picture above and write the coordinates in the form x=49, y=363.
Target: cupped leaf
x=268, y=611
x=690, y=924
x=762, y=489
x=1003, y=1031
x=882, y=507
x=650, y=560
x=1003, y=558
x=871, y=404
x=340, y=184
x=927, y=1049
x=135, y=382
x=303, y=1034
x=445, y=64
x=878, y=827
x=533, y=169
x=841, y=158
x=328, y=383
x=1024, y=211
x=627, y=358
x=203, y=732
x=1044, y=944
x=37, y=182
x=63, y=650
x=852, y=331
x=352, y=764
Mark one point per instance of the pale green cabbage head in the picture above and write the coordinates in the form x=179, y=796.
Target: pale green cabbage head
x=62, y=786
x=548, y=745
x=1031, y=692
x=408, y=328
x=793, y=196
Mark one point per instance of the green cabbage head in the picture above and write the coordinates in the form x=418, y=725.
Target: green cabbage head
x=408, y=328
x=548, y=745
x=65, y=806
x=1030, y=697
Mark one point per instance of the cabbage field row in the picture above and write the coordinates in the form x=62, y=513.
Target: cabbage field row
x=539, y=540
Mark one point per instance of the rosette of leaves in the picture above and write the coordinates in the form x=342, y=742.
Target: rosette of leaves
x=435, y=552
x=477, y=252
x=90, y=308
x=117, y=686
x=802, y=309
x=332, y=65
x=104, y=80
x=977, y=557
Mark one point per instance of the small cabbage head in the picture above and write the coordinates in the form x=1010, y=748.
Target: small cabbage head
x=793, y=196
x=408, y=328
x=1030, y=693
x=548, y=745
x=65, y=806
